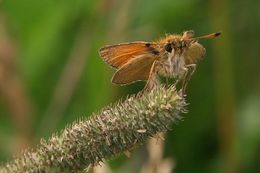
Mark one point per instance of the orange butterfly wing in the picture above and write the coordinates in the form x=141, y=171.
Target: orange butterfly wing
x=133, y=60
x=136, y=69
x=120, y=54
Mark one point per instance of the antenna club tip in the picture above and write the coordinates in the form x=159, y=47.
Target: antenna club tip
x=217, y=34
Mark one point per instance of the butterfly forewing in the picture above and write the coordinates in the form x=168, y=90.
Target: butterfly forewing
x=120, y=54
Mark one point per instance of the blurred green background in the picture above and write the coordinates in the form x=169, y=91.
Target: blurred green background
x=51, y=74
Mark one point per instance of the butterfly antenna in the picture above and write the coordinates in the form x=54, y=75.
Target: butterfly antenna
x=213, y=35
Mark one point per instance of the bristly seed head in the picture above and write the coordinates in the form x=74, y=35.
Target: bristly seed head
x=114, y=130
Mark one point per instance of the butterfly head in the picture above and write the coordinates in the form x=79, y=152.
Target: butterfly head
x=179, y=43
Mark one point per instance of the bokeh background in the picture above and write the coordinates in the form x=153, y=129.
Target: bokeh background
x=51, y=75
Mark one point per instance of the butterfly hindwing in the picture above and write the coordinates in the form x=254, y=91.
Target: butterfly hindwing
x=136, y=69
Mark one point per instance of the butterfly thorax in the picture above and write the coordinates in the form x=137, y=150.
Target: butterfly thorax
x=173, y=65
x=173, y=59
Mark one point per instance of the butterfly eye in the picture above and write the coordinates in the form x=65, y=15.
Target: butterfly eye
x=168, y=47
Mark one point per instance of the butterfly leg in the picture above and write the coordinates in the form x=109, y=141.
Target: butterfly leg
x=189, y=71
x=153, y=80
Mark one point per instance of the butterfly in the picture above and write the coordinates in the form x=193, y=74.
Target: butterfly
x=174, y=56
